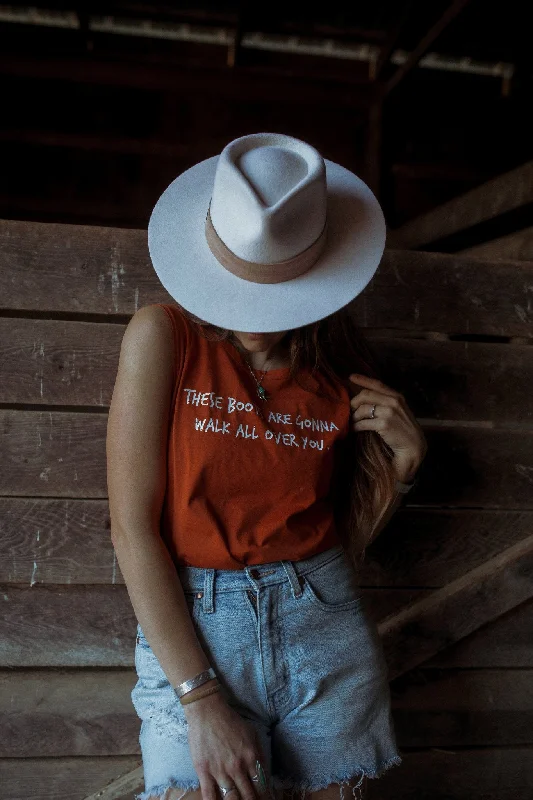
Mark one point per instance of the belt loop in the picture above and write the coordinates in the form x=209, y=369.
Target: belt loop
x=297, y=590
x=208, y=601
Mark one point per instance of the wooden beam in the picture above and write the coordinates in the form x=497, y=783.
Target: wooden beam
x=235, y=48
x=120, y=788
x=392, y=40
x=425, y=43
x=263, y=84
x=432, y=623
x=504, y=193
x=109, y=144
x=517, y=245
x=373, y=142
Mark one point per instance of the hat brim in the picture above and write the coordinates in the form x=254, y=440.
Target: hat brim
x=197, y=281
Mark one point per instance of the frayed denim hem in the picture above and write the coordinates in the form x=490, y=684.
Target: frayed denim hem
x=312, y=784
x=320, y=781
x=157, y=791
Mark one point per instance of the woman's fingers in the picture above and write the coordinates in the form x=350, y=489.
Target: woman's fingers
x=242, y=778
x=364, y=411
x=370, y=396
x=209, y=788
x=373, y=384
x=245, y=787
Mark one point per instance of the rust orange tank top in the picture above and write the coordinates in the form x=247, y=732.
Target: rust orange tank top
x=242, y=490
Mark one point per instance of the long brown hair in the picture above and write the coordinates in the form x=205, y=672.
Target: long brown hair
x=363, y=481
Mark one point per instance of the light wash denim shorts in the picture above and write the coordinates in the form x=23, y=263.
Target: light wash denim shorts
x=297, y=656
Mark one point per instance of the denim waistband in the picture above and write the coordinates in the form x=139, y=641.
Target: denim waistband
x=208, y=580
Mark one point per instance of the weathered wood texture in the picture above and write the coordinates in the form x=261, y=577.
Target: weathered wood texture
x=502, y=194
x=428, y=624
x=517, y=245
x=72, y=363
x=448, y=582
x=45, y=714
x=69, y=778
x=94, y=626
x=67, y=541
x=496, y=773
x=52, y=453
x=106, y=271
x=485, y=774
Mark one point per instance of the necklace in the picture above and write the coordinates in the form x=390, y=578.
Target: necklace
x=260, y=389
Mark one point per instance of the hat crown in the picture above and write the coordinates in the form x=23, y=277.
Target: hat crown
x=269, y=197
x=272, y=171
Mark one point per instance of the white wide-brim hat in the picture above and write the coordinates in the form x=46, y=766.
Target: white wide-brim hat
x=267, y=236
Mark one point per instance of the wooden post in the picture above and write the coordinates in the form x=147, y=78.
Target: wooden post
x=373, y=142
x=425, y=43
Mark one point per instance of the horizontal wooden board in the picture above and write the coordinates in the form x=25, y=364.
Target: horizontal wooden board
x=470, y=774
x=94, y=626
x=460, y=380
x=107, y=271
x=73, y=713
x=62, y=454
x=486, y=774
x=452, y=708
x=56, y=541
x=59, y=362
x=67, y=778
x=72, y=363
x=66, y=626
x=47, y=713
x=67, y=541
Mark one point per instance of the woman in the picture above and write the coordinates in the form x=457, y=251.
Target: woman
x=247, y=473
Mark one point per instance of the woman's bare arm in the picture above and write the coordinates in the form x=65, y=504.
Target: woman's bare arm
x=136, y=443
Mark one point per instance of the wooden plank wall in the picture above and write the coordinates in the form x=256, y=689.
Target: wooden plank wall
x=454, y=335
x=501, y=196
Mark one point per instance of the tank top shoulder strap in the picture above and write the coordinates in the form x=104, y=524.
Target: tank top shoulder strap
x=179, y=336
x=170, y=313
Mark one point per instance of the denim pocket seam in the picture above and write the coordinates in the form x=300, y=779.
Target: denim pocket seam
x=346, y=606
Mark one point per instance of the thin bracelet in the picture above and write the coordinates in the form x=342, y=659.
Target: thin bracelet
x=203, y=693
x=193, y=683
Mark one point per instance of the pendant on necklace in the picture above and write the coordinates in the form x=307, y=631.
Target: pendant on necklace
x=262, y=394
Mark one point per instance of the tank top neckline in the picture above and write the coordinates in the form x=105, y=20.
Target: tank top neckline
x=281, y=372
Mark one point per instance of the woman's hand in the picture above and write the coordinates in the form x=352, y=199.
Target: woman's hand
x=224, y=749
x=394, y=422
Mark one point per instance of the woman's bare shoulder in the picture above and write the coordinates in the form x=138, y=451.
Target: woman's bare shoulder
x=148, y=334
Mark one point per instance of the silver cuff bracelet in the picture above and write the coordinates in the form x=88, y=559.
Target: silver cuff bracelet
x=193, y=683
